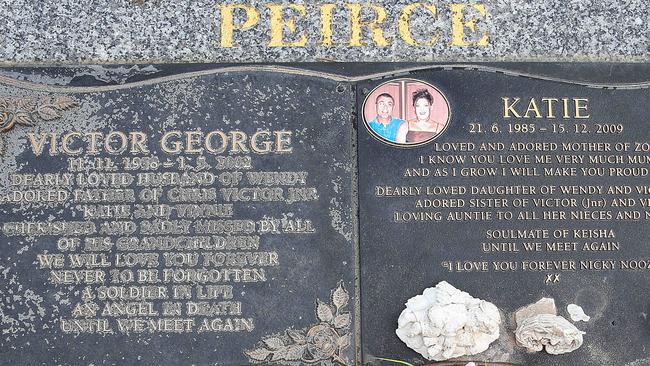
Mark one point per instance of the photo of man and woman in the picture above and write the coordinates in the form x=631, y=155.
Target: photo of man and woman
x=406, y=112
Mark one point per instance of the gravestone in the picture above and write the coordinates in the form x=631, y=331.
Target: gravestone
x=246, y=182
x=164, y=221
x=512, y=202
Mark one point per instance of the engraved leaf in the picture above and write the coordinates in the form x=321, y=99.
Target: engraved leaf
x=297, y=336
x=295, y=352
x=324, y=312
x=340, y=297
x=63, y=102
x=343, y=341
x=259, y=354
x=279, y=354
x=25, y=104
x=274, y=343
x=342, y=320
x=48, y=113
x=340, y=360
x=22, y=118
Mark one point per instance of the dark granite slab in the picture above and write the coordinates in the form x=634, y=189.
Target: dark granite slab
x=305, y=308
x=298, y=294
x=401, y=256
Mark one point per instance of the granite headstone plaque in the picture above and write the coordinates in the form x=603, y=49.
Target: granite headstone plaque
x=191, y=219
x=283, y=215
x=512, y=186
x=246, y=182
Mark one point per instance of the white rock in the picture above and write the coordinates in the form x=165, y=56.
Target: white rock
x=552, y=332
x=544, y=306
x=445, y=323
x=577, y=314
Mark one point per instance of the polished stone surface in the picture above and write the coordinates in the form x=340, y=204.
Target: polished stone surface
x=155, y=31
x=307, y=297
x=400, y=259
x=308, y=266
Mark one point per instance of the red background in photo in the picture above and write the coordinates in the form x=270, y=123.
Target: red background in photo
x=440, y=110
x=370, y=110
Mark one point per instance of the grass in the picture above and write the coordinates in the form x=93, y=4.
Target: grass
x=396, y=361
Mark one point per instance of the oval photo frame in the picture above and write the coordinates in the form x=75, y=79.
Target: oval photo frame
x=391, y=116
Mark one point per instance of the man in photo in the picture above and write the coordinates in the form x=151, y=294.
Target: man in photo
x=384, y=124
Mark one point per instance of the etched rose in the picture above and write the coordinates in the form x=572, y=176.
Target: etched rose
x=322, y=341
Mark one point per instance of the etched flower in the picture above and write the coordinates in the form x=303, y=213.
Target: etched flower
x=322, y=341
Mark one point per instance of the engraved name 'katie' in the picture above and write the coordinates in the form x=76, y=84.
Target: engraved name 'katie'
x=172, y=142
x=545, y=107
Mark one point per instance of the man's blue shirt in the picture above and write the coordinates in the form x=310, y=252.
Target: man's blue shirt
x=387, y=131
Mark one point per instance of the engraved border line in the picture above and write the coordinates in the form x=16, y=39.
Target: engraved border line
x=312, y=73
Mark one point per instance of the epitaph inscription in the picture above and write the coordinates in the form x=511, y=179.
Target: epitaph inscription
x=191, y=219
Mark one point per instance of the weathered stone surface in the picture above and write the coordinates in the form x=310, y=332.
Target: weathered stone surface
x=244, y=255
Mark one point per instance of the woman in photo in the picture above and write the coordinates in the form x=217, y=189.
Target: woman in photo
x=421, y=128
